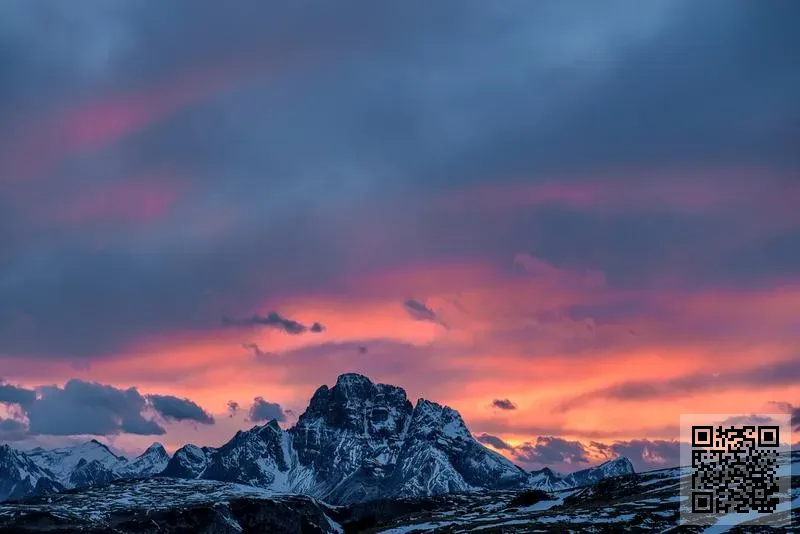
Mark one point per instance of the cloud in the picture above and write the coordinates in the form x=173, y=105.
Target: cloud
x=548, y=274
x=784, y=372
x=494, y=441
x=273, y=319
x=549, y=450
x=258, y=354
x=565, y=455
x=793, y=411
x=420, y=312
x=317, y=328
x=89, y=408
x=233, y=408
x=504, y=404
x=12, y=430
x=748, y=420
x=10, y=394
x=176, y=409
x=118, y=97
x=262, y=410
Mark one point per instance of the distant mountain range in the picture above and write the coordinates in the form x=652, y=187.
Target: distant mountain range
x=356, y=441
x=644, y=502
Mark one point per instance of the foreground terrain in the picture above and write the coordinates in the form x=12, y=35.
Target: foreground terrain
x=648, y=502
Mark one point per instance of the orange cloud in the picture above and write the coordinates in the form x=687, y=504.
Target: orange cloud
x=505, y=342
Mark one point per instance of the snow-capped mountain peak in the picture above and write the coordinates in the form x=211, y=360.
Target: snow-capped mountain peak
x=612, y=468
x=151, y=462
x=63, y=461
x=19, y=475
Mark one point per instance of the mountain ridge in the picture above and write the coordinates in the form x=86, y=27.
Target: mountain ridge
x=357, y=441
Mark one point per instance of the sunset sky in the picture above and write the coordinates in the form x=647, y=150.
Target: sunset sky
x=571, y=221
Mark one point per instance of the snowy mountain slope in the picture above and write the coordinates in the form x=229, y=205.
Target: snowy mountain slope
x=41, y=472
x=190, y=461
x=612, y=468
x=20, y=476
x=151, y=462
x=441, y=456
x=646, y=502
x=546, y=479
x=63, y=461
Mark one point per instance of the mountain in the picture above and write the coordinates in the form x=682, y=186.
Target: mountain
x=546, y=479
x=613, y=468
x=90, y=474
x=360, y=441
x=63, y=462
x=21, y=477
x=151, y=462
x=645, y=502
x=43, y=472
x=357, y=441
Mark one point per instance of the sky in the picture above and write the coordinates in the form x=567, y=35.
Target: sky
x=572, y=222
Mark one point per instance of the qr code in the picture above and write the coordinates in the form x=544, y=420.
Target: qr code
x=735, y=469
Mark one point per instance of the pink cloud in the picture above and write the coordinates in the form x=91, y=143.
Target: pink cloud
x=701, y=190
x=139, y=200
x=44, y=142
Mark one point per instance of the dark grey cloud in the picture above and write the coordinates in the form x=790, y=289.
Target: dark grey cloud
x=258, y=354
x=785, y=372
x=420, y=312
x=793, y=411
x=494, y=441
x=12, y=430
x=504, y=404
x=262, y=410
x=565, y=455
x=174, y=408
x=89, y=408
x=81, y=407
x=275, y=320
x=396, y=106
x=10, y=394
x=233, y=408
x=549, y=450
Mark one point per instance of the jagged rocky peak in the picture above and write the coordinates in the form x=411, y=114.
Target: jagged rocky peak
x=358, y=405
x=95, y=445
x=152, y=461
x=430, y=418
x=89, y=474
x=156, y=449
x=188, y=462
x=620, y=465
